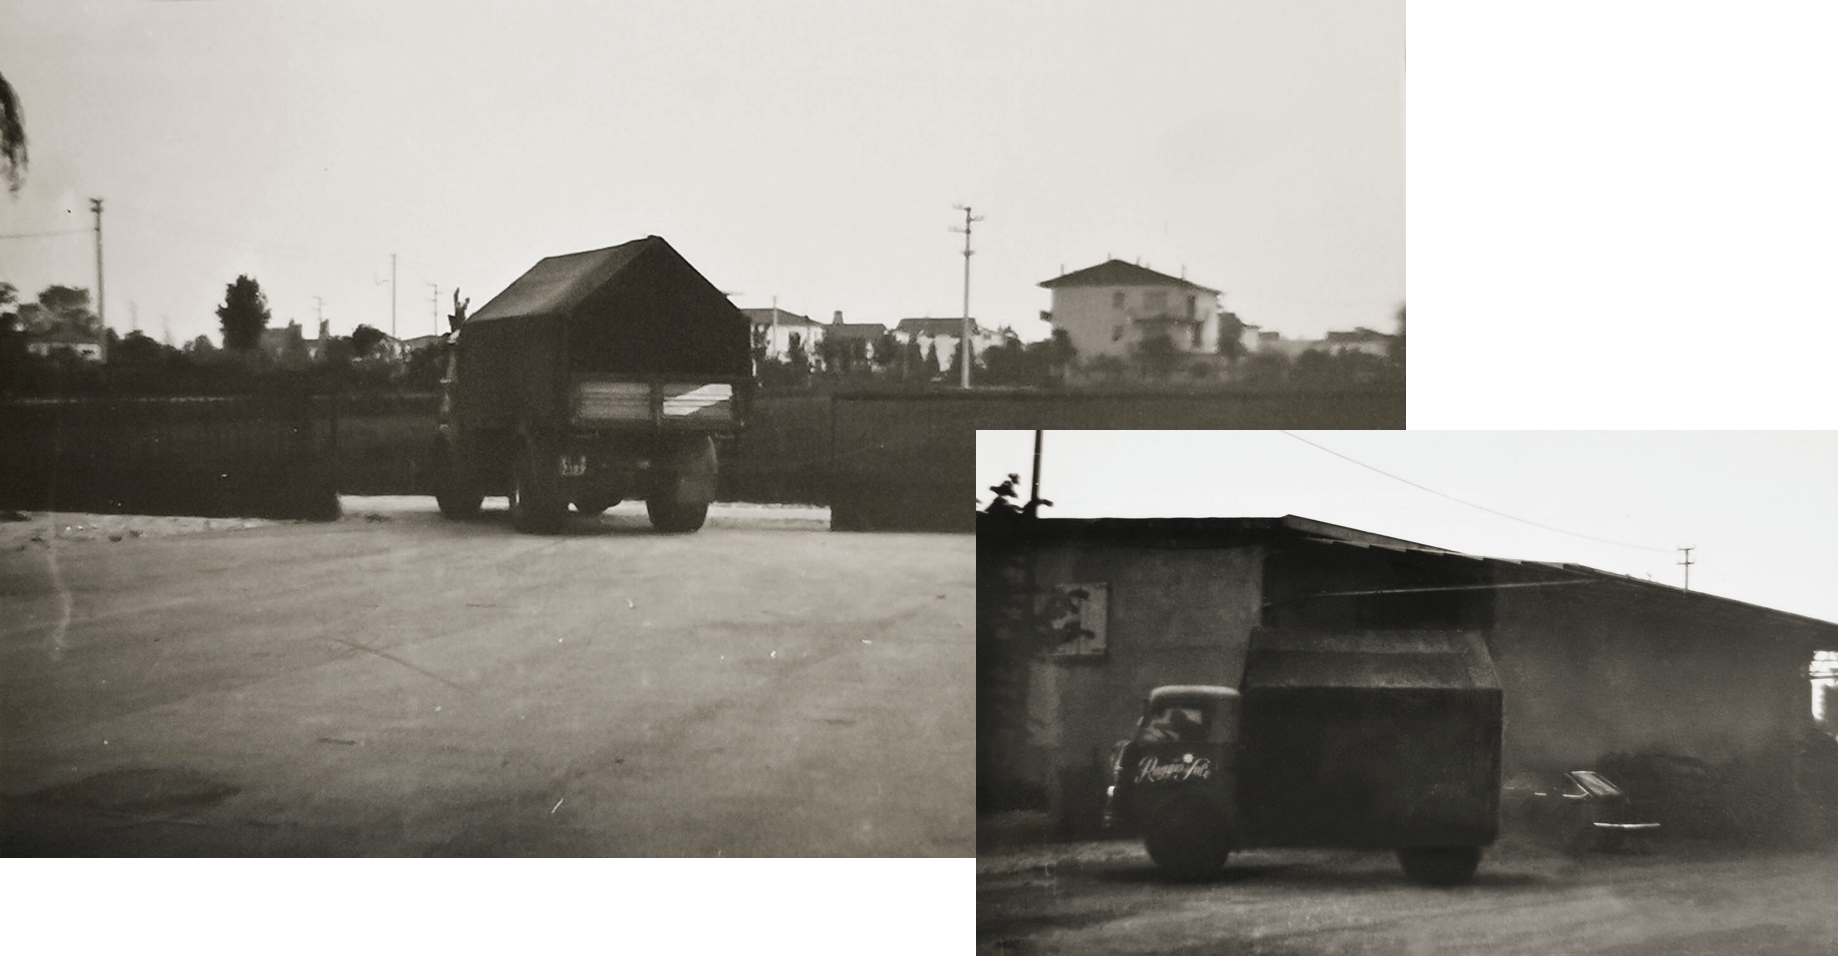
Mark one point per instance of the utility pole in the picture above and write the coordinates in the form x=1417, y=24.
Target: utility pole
x=1034, y=492
x=1688, y=563
x=392, y=295
x=436, y=287
x=964, y=359
x=95, y=206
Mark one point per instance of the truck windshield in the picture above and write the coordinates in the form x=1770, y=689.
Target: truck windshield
x=1182, y=723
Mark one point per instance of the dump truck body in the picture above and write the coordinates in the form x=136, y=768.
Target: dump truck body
x=1370, y=740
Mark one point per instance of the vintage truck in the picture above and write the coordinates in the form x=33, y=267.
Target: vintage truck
x=594, y=378
x=1372, y=740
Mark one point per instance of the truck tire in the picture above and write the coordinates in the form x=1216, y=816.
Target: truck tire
x=692, y=457
x=1187, y=836
x=672, y=517
x=537, y=503
x=1440, y=865
x=455, y=489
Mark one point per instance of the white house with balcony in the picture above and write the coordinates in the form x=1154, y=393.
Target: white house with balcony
x=1110, y=308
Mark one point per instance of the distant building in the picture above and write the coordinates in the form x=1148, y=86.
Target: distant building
x=287, y=346
x=1110, y=308
x=419, y=342
x=1359, y=340
x=947, y=335
x=1274, y=342
x=853, y=339
x=773, y=329
x=65, y=338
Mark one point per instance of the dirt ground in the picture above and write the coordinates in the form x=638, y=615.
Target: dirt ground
x=1667, y=899
x=397, y=684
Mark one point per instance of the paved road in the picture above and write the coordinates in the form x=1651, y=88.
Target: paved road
x=1674, y=901
x=396, y=684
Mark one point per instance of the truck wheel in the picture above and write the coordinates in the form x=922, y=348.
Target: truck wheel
x=1440, y=865
x=1187, y=836
x=537, y=504
x=673, y=518
x=455, y=490
x=593, y=506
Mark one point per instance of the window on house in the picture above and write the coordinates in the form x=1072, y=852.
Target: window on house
x=1116, y=299
x=1196, y=335
x=1116, y=333
x=1193, y=306
x=1080, y=616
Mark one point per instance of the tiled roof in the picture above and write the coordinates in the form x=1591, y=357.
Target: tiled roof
x=936, y=327
x=855, y=330
x=1116, y=272
x=764, y=317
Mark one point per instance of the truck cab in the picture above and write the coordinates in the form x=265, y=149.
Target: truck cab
x=1174, y=778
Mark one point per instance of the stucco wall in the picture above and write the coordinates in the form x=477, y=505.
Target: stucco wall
x=1088, y=315
x=1175, y=616
x=1601, y=668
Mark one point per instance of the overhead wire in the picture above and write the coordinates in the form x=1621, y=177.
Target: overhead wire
x=1546, y=527
x=41, y=235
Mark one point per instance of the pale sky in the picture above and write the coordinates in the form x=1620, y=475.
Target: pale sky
x=810, y=150
x=1758, y=507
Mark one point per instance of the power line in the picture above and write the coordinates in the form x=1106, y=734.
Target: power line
x=41, y=235
x=1471, y=504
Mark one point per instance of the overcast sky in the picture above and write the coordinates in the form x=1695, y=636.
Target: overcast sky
x=1758, y=507
x=811, y=150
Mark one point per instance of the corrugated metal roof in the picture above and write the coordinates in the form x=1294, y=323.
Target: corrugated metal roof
x=1574, y=569
x=557, y=284
x=1212, y=532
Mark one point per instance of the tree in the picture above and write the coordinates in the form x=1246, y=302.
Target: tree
x=1007, y=362
x=1266, y=368
x=1157, y=353
x=886, y=350
x=796, y=358
x=425, y=367
x=12, y=138
x=137, y=348
x=1061, y=353
x=62, y=307
x=364, y=340
x=931, y=361
x=13, y=356
x=1231, y=339
x=1396, y=352
x=294, y=355
x=243, y=314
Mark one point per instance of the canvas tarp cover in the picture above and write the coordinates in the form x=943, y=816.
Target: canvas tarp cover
x=634, y=310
